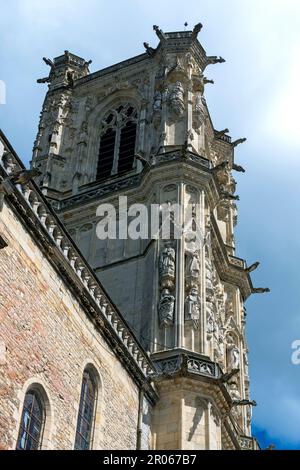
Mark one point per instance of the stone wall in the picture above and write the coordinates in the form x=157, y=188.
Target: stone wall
x=47, y=339
x=186, y=417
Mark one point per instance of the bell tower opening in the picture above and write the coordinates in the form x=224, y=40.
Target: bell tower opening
x=117, y=142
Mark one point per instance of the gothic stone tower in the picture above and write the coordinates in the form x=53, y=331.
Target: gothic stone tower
x=141, y=129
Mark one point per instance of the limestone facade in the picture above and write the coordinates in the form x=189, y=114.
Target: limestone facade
x=183, y=300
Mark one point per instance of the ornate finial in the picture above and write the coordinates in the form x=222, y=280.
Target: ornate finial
x=185, y=25
x=196, y=30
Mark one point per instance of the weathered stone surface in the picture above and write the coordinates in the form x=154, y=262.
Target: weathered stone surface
x=45, y=337
x=183, y=298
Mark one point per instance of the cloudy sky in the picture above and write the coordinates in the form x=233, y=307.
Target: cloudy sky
x=256, y=95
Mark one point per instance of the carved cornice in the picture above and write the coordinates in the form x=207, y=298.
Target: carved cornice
x=41, y=221
x=185, y=363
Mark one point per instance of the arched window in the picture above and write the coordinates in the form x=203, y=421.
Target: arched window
x=117, y=141
x=86, y=412
x=32, y=422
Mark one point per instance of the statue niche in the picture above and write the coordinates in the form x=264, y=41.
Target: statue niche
x=176, y=99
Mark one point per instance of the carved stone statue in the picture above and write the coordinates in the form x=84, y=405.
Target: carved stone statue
x=193, y=265
x=157, y=102
x=210, y=324
x=199, y=112
x=167, y=262
x=176, y=99
x=208, y=275
x=246, y=364
x=233, y=354
x=249, y=416
x=166, y=308
x=234, y=392
x=192, y=305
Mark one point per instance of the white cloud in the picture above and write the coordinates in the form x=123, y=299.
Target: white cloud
x=282, y=116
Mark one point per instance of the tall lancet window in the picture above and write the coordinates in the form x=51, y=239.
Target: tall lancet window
x=117, y=141
x=86, y=412
x=32, y=422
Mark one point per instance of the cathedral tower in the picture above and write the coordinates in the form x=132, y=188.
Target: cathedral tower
x=141, y=130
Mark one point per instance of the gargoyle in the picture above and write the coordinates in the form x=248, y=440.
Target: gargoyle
x=48, y=62
x=51, y=65
x=238, y=168
x=159, y=33
x=150, y=50
x=43, y=80
x=227, y=195
x=23, y=176
x=20, y=177
x=260, y=290
x=244, y=403
x=87, y=63
x=226, y=377
x=238, y=142
x=196, y=30
x=142, y=160
x=70, y=79
x=252, y=267
x=213, y=59
x=206, y=80
x=219, y=134
x=221, y=166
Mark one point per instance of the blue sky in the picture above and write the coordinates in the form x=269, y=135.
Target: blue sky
x=256, y=95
